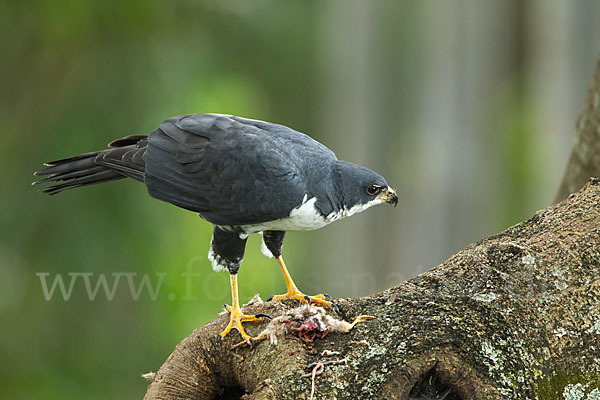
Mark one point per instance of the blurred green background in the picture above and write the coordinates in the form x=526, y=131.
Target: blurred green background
x=467, y=108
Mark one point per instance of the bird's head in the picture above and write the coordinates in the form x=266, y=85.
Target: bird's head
x=359, y=188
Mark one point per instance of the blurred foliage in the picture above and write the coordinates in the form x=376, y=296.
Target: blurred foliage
x=77, y=74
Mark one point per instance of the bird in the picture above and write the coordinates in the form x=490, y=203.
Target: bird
x=244, y=176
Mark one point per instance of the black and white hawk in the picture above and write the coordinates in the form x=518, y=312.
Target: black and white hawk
x=244, y=176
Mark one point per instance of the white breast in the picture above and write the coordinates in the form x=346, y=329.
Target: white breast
x=306, y=217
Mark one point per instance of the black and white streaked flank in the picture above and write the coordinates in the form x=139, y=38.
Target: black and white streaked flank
x=244, y=176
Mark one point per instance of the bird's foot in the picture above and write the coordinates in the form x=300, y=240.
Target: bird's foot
x=235, y=322
x=319, y=299
x=359, y=319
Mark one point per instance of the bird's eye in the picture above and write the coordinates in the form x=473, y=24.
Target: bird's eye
x=373, y=189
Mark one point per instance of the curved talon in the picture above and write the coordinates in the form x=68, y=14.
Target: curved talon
x=307, y=299
x=263, y=315
x=270, y=298
x=335, y=307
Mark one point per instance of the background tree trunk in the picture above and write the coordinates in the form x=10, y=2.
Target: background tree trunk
x=515, y=315
x=584, y=161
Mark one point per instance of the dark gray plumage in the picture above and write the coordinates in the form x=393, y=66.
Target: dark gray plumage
x=232, y=170
x=242, y=175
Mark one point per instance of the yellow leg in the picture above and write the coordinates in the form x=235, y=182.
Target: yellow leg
x=236, y=317
x=295, y=294
x=359, y=319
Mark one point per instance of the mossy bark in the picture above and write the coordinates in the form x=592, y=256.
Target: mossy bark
x=516, y=315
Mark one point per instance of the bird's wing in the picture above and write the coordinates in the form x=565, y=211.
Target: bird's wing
x=231, y=170
x=294, y=137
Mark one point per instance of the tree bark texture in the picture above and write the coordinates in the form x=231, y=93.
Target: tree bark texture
x=516, y=315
